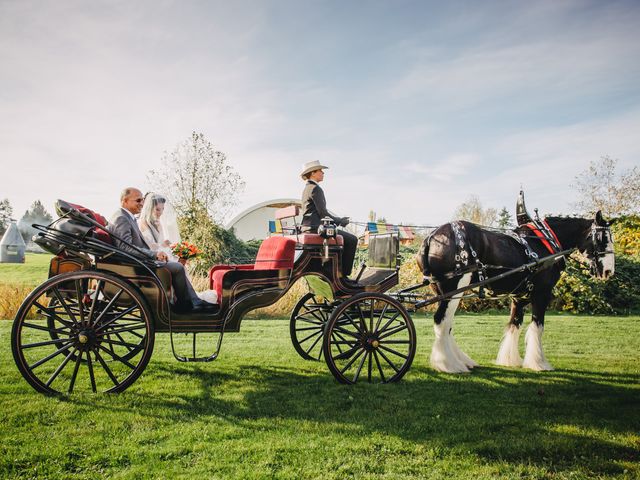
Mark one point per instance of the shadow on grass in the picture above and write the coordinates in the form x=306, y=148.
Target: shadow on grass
x=555, y=419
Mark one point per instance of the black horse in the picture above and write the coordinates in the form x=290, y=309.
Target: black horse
x=460, y=253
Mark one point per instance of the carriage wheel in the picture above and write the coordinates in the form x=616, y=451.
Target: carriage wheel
x=306, y=326
x=82, y=331
x=110, y=332
x=369, y=337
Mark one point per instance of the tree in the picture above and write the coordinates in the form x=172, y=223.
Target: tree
x=504, y=218
x=196, y=175
x=36, y=214
x=600, y=187
x=472, y=211
x=6, y=212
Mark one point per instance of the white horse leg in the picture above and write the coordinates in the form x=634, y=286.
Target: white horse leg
x=534, y=358
x=509, y=354
x=446, y=356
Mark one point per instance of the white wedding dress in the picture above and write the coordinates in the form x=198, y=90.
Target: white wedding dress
x=159, y=227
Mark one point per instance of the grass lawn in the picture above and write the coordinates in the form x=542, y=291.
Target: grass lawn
x=32, y=272
x=260, y=411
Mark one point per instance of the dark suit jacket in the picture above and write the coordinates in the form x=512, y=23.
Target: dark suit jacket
x=125, y=227
x=314, y=207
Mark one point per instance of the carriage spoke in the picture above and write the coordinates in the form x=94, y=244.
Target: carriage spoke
x=114, y=319
x=49, y=357
x=55, y=374
x=369, y=367
x=128, y=345
x=80, y=298
x=75, y=372
x=352, y=322
x=315, y=342
x=109, y=305
x=353, y=359
x=390, y=350
x=91, y=376
x=106, y=368
x=379, y=367
x=346, y=332
x=57, y=341
x=58, y=295
x=62, y=330
x=388, y=361
x=117, y=357
x=389, y=322
x=357, y=374
x=347, y=353
x=124, y=330
x=384, y=311
x=319, y=332
x=51, y=313
x=392, y=332
x=306, y=320
x=96, y=294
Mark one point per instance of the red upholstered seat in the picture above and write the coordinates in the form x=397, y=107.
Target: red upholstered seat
x=315, y=239
x=275, y=253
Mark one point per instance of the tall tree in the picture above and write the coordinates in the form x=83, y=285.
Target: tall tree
x=600, y=187
x=194, y=176
x=473, y=211
x=36, y=214
x=6, y=212
x=504, y=218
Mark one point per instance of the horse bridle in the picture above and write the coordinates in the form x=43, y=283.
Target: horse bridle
x=597, y=239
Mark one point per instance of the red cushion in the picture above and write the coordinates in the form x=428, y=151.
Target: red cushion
x=315, y=239
x=217, y=272
x=90, y=213
x=275, y=253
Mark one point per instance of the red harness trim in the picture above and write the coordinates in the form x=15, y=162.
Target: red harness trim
x=542, y=237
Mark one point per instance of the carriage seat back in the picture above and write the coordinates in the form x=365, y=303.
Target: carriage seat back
x=75, y=214
x=275, y=253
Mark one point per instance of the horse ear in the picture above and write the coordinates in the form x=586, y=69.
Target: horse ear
x=599, y=219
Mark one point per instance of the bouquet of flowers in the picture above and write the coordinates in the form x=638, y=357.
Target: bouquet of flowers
x=185, y=250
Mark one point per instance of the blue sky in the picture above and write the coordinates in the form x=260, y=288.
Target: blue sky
x=414, y=105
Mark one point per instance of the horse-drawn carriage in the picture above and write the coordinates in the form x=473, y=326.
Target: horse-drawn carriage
x=92, y=324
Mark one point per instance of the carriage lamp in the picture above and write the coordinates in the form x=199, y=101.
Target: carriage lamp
x=326, y=230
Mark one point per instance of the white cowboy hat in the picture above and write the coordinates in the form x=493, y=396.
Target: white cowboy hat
x=310, y=167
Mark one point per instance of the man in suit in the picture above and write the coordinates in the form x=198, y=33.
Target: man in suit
x=123, y=224
x=314, y=209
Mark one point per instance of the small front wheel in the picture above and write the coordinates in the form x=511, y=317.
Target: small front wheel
x=369, y=336
x=306, y=325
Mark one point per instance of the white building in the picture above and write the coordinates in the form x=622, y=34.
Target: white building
x=253, y=223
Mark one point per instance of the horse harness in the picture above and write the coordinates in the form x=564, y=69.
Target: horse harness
x=465, y=253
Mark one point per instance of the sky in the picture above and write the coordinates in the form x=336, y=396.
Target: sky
x=414, y=105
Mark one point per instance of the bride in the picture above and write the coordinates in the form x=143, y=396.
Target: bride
x=158, y=224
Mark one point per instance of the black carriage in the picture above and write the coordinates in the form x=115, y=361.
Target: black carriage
x=91, y=326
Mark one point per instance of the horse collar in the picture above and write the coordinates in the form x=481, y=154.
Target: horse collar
x=545, y=234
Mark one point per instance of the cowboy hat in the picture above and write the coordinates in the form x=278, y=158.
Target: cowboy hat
x=310, y=167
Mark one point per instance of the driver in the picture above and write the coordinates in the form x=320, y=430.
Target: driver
x=314, y=209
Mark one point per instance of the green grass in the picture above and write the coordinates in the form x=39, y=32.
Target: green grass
x=262, y=412
x=32, y=272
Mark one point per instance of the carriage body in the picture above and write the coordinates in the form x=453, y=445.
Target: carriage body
x=101, y=307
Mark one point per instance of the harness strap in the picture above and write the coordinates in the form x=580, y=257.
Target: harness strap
x=546, y=235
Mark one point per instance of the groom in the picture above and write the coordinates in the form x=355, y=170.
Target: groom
x=124, y=225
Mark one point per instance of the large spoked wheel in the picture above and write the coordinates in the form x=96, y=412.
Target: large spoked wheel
x=369, y=337
x=306, y=326
x=82, y=331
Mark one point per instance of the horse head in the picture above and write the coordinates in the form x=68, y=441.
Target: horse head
x=597, y=246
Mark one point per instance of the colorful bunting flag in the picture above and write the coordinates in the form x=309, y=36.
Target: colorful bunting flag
x=275, y=226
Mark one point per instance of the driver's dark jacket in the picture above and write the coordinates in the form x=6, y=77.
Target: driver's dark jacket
x=314, y=207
